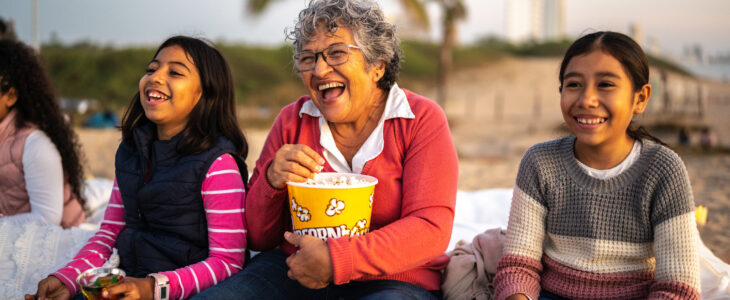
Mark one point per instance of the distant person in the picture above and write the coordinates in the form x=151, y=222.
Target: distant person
x=608, y=212
x=104, y=119
x=41, y=177
x=708, y=139
x=176, y=211
x=684, y=137
x=355, y=119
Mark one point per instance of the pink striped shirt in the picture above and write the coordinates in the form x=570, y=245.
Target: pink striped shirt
x=223, y=199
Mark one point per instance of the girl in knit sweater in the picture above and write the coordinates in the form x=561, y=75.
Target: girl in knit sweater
x=607, y=212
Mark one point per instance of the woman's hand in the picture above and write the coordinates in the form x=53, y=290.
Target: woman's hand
x=50, y=288
x=311, y=265
x=293, y=163
x=132, y=288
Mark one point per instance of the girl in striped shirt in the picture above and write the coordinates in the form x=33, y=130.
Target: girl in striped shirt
x=176, y=212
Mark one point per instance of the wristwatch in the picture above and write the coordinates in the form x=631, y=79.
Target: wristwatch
x=162, y=286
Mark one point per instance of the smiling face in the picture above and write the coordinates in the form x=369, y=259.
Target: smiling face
x=598, y=101
x=347, y=92
x=169, y=91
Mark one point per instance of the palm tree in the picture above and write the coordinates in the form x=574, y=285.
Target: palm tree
x=453, y=11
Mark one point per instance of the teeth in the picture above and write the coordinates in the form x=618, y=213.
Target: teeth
x=330, y=85
x=157, y=95
x=591, y=121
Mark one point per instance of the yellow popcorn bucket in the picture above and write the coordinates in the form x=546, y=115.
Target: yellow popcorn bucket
x=333, y=205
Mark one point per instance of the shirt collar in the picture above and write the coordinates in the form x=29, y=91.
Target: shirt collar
x=396, y=106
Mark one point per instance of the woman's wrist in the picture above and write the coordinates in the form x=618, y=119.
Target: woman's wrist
x=269, y=175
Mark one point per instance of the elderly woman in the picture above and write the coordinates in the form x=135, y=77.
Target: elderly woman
x=355, y=120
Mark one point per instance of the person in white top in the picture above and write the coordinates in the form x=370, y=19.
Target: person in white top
x=41, y=175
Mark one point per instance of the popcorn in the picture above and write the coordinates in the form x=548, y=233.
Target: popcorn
x=301, y=212
x=335, y=207
x=360, y=228
x=341, y=180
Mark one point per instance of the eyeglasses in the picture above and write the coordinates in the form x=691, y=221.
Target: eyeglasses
x=334, y=55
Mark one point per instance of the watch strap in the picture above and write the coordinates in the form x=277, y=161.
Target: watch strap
x=162, y=286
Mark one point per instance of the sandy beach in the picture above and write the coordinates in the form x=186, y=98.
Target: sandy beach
x=498, y=111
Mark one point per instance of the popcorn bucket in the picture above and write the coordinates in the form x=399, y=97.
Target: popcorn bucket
x=333, y=205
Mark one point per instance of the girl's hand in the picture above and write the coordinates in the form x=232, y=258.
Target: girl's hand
x=50, y=288
x=293, y=163
x=311, y=265
x=132, y=288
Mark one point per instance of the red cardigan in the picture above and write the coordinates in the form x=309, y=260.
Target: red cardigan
x=413, y=204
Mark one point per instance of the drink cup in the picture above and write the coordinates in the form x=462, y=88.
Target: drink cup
x=94, y=280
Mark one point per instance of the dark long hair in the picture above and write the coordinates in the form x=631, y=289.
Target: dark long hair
x=21, y=69
x=215, y=113
x=628, y=53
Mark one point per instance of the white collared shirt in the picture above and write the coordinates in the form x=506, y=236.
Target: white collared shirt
x=396, y=106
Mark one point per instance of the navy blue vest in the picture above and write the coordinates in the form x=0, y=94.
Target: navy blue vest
x=166, y=228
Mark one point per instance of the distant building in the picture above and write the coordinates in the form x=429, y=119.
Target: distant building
x=694, y=54
x=637, y=33
x=538, y=20
x=653, y=46
x=553, y=19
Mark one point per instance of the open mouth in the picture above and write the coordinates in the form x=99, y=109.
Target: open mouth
x=156, y=96
x=590, y=121
x=332, y=90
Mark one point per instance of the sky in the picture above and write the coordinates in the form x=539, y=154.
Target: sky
x=673, y=23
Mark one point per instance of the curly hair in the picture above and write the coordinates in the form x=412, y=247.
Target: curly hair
x=21, y=69
x=373, y=34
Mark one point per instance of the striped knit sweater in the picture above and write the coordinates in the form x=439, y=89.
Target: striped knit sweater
x=630, y=236
x=223, y=199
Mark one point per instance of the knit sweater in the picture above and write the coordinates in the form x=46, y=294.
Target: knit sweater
x=413, y=204
x=630, y=236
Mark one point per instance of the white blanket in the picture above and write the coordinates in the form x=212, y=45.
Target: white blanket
x=30, y=252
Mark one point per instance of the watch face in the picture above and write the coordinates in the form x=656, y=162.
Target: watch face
x=163, y=292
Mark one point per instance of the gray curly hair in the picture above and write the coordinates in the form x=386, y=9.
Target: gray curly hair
x=372, y=33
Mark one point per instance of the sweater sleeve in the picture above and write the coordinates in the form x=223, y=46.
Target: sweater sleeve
x=677, y=272
x=99, y=247
x=223, y=199
x=421, y=232
x=43, y=174
x=266, y=205
x=518, y=272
